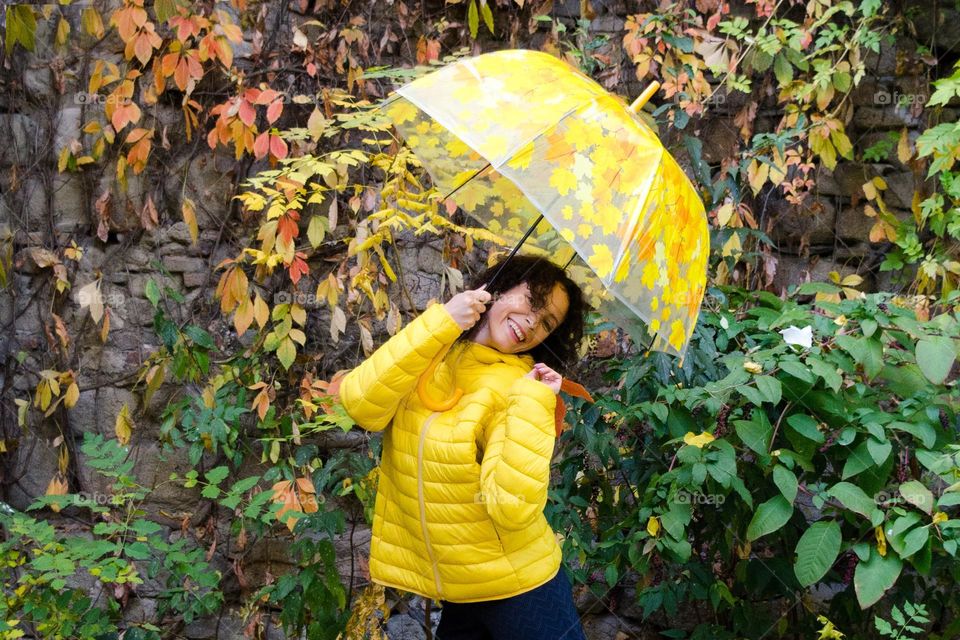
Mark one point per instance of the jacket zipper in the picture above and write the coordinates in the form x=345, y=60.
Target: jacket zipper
x=423, y=510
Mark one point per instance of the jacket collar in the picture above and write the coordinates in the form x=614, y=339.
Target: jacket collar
x=469, y=353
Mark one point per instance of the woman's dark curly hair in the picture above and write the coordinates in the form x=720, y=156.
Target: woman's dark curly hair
x=559, y=349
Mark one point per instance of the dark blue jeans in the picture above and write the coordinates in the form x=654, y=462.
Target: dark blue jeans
x=544, y=613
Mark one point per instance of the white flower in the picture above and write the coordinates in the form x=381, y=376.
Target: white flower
x=802, y=337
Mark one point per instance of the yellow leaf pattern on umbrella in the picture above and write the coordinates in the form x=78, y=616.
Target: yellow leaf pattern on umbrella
x=549, y=140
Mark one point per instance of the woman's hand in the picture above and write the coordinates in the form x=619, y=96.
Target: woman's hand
x=466, y=306
x=547, y=376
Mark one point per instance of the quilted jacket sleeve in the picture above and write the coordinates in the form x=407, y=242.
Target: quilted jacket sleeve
x=371, y=393
x=518, y=445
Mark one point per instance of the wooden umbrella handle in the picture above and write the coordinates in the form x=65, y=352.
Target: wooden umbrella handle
x=425, y=379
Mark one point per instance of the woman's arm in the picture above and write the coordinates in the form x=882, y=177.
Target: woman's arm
x=518, y=446
x=371, y=393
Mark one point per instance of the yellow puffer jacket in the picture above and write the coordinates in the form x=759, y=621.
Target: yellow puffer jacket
x=459, y=507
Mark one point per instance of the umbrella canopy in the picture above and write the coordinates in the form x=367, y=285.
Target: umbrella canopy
x=517, y=134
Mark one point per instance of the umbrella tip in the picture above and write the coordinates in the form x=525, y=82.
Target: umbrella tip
x=645, y=96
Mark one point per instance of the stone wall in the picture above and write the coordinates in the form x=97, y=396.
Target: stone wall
x=39, y=207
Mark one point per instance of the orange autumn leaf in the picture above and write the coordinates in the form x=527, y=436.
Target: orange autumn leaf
x=57, y=487
x=299, y=497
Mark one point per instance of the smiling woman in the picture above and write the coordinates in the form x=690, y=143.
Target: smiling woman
x=462, y=485
x=537, y=309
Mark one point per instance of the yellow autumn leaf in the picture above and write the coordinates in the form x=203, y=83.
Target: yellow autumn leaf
x=753, y=367
x=757, y=174
x=189, y=210
x=698, y=441
x=123, y=426
x=724, y=214
x=261, y=312
x=939, y=517
x=828, y=632
x=72, y=395
x=881, y=540
x=57, y=487
x=904, y=153
x=653, y=526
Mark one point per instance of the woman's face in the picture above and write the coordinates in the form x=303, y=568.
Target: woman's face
x=511, y=325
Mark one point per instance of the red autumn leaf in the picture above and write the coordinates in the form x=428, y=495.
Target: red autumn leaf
x=246, y=113
x=298, y=268
x=570, y=388
x=287, y=227
x=274, y=111
x=278, y=147
x=261, y=145
x=266, y=96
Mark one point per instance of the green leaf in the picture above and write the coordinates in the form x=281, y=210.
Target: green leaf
x=817, y=550
x=858, y=461
x=217, y=474
x=826, y=371
x=210, y=491
x=473, y=20
x=797, y=369
x=914, y=541
x=610, y=573
x=770, y=516
x=782, y=69
x=756, y=432
x=244, y=485
x=152, y=292
x=918, y=495
x=854, y=498
x=770, y=388
x=867, y=352
x=487, y=15
x=879, y=451
x=316, y=230
x=286, y=352
x=21, y=27
x=805, y=426
x=875, y=576
x=935, y=357
x=922, y=431
x=786, y=482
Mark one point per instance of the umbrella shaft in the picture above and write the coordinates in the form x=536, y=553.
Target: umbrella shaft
x=513, y=252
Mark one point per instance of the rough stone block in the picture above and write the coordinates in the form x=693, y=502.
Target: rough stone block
x=813, y=221
x=854, y=225
x=22, y=138
x=181, y=264
x=886, y=117
x=68, y=126
x=35, y=463
x=794, y=270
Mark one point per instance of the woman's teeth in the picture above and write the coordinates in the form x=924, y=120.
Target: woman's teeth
x=515, y=328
